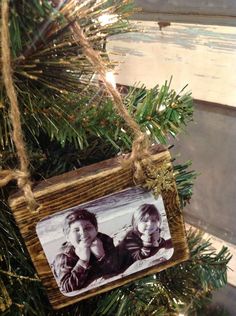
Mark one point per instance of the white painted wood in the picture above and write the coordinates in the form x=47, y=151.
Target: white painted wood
x=206, y=7
x=185, y=18
x=201, y=56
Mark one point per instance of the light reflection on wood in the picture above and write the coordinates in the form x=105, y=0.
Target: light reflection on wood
x=202, y=56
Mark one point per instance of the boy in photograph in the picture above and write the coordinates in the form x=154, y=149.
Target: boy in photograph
x=86, y=255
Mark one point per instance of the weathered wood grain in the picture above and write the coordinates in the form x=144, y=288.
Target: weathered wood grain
x=198, y=55
x=83, y=185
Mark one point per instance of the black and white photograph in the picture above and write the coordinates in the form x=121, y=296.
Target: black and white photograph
x=101, y=241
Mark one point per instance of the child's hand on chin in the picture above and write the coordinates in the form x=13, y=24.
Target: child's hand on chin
x=97, y=248
x=83, y=252
x=146, y=238
x=155, y=238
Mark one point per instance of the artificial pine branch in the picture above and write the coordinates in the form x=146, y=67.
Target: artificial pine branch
x=184, y=180
x=68, y=122
x=49, y=68
x=79, y=122
x=161, y=111
x=65, y=113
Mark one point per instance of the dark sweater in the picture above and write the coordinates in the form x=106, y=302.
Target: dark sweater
x=132, y=249
x=73, y=277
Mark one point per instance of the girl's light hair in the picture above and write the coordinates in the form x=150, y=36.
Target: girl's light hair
x=142, y=211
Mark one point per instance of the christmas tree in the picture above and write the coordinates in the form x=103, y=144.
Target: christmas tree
x=68, y=121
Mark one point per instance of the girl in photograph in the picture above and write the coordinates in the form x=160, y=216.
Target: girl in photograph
x=143, y=240
x=86, y=255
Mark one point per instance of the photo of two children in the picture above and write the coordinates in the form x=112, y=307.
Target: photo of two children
x=106, y=239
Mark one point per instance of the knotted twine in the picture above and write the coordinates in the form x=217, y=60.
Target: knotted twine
x=22, y=175
x=141, y=143
x=140, y=146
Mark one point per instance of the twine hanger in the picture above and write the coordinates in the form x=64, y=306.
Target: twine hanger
x=141, y=142
x=140, y=146
x=22, y=175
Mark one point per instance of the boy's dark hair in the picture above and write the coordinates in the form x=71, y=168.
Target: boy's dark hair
x=142, y=211
x=76, y=215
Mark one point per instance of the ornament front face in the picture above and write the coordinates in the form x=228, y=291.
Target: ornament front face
x=97, y=231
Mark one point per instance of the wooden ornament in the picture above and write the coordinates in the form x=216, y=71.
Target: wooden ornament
x=107, y=190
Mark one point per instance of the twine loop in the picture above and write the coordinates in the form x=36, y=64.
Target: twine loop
x=9, y=175
x=22, y=176
x=23, y=183
x=22, y=179
x=140, y=146
x=139, y=158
